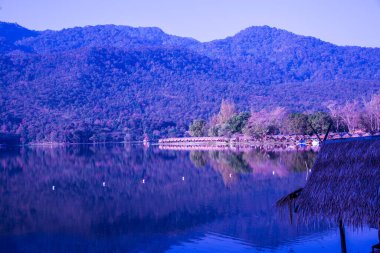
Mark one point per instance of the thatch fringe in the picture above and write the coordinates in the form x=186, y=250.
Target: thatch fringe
x=344, y=184
x=284, y=201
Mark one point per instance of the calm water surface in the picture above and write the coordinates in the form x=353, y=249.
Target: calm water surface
x=118, y=198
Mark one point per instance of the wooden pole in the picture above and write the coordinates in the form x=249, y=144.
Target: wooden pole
x=312, y=128
x=290, y=212
x=343, y=245
x=377, y=246
x=328, y=131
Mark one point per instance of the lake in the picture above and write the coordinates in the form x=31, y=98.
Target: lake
x=130, y=198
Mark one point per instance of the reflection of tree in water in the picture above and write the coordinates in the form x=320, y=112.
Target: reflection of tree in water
x=302, y=160
x=279, y=163
x=234, y=161
x=254, y=161
x=199, y=158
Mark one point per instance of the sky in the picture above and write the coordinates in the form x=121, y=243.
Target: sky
x=342, y=22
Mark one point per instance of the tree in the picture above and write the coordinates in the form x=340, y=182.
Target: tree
x=214, y=130
x=198, y=128
x=218, y=124
x=336, y=117
x=299, y=123
x=237, y=122
x=265, y=122
x=320, y=121
x=371, y=116
x=227, y=110
x=351, y=115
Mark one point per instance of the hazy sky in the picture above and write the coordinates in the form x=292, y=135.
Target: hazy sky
x=343, y=22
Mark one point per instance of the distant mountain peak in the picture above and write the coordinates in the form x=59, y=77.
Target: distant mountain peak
x=104, y=36
x=13, y=32
x=7, y=25
x=265, y=32
x=262, y=42
x=255, y=28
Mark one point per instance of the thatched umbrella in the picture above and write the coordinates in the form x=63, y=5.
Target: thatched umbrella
x=344, y=185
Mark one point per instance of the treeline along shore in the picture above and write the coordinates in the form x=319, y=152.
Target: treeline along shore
x=229, y=127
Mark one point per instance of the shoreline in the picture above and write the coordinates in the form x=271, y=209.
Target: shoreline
x=238, y=148
x=270, y=142
x=61, y=144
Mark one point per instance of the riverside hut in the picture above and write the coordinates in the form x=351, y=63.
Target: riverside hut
x=344, y=186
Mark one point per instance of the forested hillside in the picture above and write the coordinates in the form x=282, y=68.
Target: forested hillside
x=111, y=82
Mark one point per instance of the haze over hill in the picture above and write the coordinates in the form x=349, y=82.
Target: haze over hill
x=105, y=82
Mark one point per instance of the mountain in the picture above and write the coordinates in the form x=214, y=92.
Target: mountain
x=109, y=82
x=103, y=36
x=13, y=32
x=297, y=58
x=10, y=33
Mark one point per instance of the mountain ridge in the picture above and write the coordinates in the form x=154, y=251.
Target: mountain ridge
x=253, y=27
x=106, y=82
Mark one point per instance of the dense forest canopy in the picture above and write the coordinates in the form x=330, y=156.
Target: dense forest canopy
x=103, y=83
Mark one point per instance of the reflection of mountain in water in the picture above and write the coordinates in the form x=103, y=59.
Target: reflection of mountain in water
x=140, y=196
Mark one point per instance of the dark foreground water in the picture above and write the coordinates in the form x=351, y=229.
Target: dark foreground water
x=118, y=198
